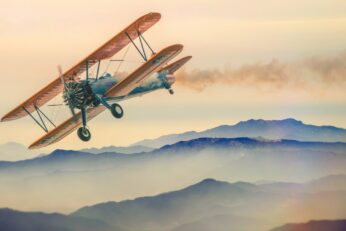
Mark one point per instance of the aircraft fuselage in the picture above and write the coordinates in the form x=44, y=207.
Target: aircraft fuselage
x=154, y=82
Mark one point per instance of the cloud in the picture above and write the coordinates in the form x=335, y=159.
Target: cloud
x=312, y=73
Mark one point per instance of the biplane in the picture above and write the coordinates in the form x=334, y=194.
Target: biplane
x=88, y=97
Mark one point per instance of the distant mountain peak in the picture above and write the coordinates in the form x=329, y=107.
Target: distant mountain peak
x=61, y=153
x=289, y=129
x=210, y=184
x=209, y=181
x=252, y=122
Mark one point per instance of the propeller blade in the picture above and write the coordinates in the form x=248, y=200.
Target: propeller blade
x=62, y=77
x=70, y=105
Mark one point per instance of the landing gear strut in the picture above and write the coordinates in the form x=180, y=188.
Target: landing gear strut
x=84, y=133
x=117, y=110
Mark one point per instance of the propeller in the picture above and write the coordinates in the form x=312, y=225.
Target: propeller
x=68, y=92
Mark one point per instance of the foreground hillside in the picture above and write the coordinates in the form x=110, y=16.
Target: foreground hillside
x=321, y=225
x=206, y=205
x=11, y=220
x=217, y=205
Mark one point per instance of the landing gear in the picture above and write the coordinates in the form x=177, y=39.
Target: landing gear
x=95, y=102
x=117, y=110
x=84, y=134
x=171, y=91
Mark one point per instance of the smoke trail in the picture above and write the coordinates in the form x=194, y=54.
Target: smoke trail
x=308, y=73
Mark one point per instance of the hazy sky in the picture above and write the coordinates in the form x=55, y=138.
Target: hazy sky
x=268, y=59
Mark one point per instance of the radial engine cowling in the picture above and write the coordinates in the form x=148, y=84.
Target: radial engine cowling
x=78, y=94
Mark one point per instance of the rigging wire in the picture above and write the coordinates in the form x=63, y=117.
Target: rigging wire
x=123, y=58
x=109, y=63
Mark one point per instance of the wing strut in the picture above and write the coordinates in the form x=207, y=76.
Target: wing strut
x=98, y=69
x=142, y=37
x=141, y=40
x=40, y=123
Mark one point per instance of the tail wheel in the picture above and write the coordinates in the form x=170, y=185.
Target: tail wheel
x=84, y=134
x=117, y=111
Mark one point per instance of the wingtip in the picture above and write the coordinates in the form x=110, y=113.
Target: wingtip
x=187, y=58
x=178, y=46
x=33, y=146
x=155, y=15
x=175, y=47
x=3, y=119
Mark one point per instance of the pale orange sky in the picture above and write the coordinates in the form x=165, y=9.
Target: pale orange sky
x=36, y=36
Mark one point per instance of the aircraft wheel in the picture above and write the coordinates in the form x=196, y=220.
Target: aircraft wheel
x=117, y=111
x=84, y=134
x=171, y=91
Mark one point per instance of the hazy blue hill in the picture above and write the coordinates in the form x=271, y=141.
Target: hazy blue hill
x=165, y=210
x=218, y=205
x=123, y=150
x=250, y=143
x=11, y=220
x=74, y=160
x=327, y=183
x=315, y=225
x=12, y=151
x=330, y=183
x=269, y=129
x=62, y=160
x=221, y=222
x=90, y=178
x=207, y=205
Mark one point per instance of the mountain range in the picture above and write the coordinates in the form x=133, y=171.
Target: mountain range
x=268, y=129
x=219, y=205
x=89, y=178
x=207, y=205
x=65, y=180
x=290, y=129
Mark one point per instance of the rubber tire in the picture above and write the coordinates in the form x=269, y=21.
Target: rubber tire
x=114, y=111
x=84, y=134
